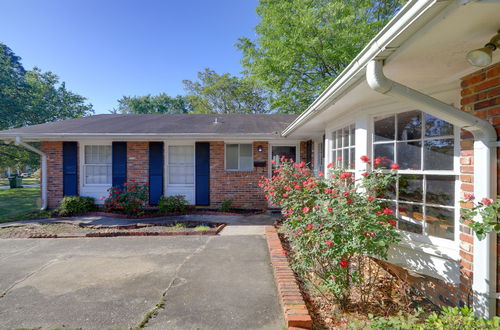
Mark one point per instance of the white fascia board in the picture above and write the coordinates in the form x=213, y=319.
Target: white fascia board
x=400, y=28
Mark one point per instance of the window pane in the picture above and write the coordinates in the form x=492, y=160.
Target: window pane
x=437, y=127
x=409, y=125
x=180, y=155
x=246, y=162
x=440, y=222
x=181, y=174
x=410, y=218
x=353, y=135
x=98, y=174
x=352, y=159
x=440, y=189
x=231, y=156
x=411, y=188
x=409, y=155
x=384, y=128
x=438, y=154
x=345, y=158
x=339, y=138
x=386, y=152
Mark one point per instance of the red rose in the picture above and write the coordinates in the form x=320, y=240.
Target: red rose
x=487, y=201
x=394, y=166
x=320, y=173
x=346, y=194
x=364, y=159
x=283, y=251
x=370, y=198
x=469, y=197
x=306, y=209
x=343, y=263
x=330, y=209
x=309, y=227
x=329, y=243
x=392, y=222
x=365, y=174
x=349, y=201
x=387, y=211
x=330, y=165
x=339, y=159
x=346, y=175
x=285, y=195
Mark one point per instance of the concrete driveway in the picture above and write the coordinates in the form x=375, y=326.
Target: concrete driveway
x=215, y=282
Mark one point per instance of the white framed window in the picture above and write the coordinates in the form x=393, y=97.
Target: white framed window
x=181, y=165
x=238, y=157
x=424, y=196
x=343, y=142
x=97, y=165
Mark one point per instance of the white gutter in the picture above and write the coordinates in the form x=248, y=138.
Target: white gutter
x=43, y=166
x=485, y=136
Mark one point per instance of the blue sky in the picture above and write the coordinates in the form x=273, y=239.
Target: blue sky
x=104, y=49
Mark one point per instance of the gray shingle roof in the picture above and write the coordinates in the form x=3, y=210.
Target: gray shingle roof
x=162, y=124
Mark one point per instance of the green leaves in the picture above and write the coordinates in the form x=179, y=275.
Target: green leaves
x=302, y=45
x=161, y=103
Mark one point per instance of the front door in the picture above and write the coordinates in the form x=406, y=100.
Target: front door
x=180, y=172
x=290, y=152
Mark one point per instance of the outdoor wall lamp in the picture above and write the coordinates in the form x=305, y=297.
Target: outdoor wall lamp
x=259, y=148
x=483, y=56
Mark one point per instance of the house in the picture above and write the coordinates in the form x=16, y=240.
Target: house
x=410, y=96
x=207, y=158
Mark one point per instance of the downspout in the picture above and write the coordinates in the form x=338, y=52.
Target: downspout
x=43, y=166
x=485, y=136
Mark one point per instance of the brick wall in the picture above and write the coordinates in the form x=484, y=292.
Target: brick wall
x=480, y=97
x=138, y=161
x=239, y=186
x=54, y=152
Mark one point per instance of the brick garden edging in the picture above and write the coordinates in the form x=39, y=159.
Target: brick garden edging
x=294, y=308
x=212, y=232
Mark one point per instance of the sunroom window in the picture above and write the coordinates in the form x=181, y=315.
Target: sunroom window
x=343, y=147
x=97, y=164
x=424, y=148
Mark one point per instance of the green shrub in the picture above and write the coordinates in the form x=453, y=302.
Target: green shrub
x=172, y=204
x=76, y=205
x=226, y=206
x=448, y=318
x=129, y=200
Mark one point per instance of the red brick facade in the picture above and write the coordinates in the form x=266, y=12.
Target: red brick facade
x=239, y=186
x=54, y=152
x=480, y=97
x=138, y=161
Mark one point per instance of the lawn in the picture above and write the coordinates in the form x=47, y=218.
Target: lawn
x=15, y=203
x=5, y=182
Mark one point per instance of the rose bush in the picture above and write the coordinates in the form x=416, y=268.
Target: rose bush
x=487, y=208
x=332, y=223
x=129, y=199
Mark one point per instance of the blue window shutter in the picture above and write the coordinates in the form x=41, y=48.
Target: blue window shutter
x=119, y=167
x=155, y=172
x=70, y=168
x=202, y=173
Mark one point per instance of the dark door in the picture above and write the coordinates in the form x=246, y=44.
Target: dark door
x=155, y=172
x=202, y=169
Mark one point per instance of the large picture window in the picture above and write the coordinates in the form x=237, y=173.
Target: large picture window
x=97, y=164
x=239, y=157
x=343, y=147
x=423, y=146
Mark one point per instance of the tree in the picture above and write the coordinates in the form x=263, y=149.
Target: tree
x=28, y=98
x=215, y=93
x=302, y=45
x=162, y=103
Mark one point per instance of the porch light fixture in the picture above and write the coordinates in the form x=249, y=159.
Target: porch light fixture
x=259, y=148
x=483, y=56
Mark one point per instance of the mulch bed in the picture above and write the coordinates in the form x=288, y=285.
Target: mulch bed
x=68, y=230
x=153, y=213
x=392, y=295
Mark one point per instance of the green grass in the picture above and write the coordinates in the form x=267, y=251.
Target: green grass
x=19, y=204
x=202, y=228
x=5, y=182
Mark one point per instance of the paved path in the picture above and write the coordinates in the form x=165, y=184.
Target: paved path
x=24, y=186
x=216, y=282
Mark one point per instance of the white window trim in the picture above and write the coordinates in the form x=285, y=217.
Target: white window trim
x=412, y=239
x=329, y=142
x=239, y=165
x=166, y=166
x=83, y=168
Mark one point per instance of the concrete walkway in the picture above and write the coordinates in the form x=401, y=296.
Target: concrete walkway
x=24, y=186
x=216, y=282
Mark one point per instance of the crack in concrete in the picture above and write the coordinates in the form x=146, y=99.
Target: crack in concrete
x=161, y=304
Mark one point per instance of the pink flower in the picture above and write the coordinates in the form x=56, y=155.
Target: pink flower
x=102, y=198
x=487, y=201
x=365, y=174
x=309, y=227
x=306, y=209
x=330, y=165
x=329, y=243
x=285, y=195
x=365, y=159
x=339, y=159
x=346, y=194
x=394, y=166
x=387, y=211
x=346, y=175
x=469, y=197
x=343, y=263
x=273, y=162
x=320, y=173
